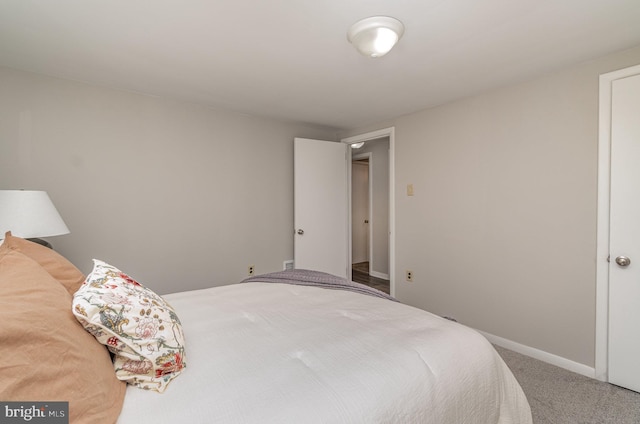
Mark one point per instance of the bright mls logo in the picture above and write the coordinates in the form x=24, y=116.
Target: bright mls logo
x=34, y=412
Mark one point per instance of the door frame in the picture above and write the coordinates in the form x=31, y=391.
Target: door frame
x=603, y=218
x=373, y=135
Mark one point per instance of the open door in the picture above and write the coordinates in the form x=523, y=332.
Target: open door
x=321, y=206
x=624, y=234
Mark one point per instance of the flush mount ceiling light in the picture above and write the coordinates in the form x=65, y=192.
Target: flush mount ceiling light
x=375, y=36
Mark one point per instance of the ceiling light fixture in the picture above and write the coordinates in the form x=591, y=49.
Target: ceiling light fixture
x=375, y=36
x=357, y=145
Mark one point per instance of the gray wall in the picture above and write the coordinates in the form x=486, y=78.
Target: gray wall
x=501, y=231
x=499, y=234
x=178, y=195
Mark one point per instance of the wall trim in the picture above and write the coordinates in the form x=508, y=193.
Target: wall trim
x=541, y=355
x=379, y=275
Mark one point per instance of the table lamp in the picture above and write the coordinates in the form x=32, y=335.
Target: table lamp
x=30, y=214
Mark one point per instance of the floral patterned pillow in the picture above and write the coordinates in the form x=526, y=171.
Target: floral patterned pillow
x=139, y=327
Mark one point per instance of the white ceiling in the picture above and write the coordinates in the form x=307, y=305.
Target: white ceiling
x=290, y=59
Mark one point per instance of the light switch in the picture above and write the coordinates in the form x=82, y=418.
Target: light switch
x=409, y=189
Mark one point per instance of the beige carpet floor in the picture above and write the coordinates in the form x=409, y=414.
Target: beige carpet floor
x=558, y=396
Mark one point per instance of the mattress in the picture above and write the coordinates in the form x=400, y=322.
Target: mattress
x=281, y=353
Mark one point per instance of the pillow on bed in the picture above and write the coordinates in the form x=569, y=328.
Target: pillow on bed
x=45, y=354
x=137, y=325
x=54, y=263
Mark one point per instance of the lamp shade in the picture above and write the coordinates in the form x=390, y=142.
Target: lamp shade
x=375, y=36
x=29, y=214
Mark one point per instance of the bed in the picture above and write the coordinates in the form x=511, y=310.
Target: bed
x=274, y=351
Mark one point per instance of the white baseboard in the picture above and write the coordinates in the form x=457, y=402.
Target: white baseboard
x=379, y=275
x=541, y=355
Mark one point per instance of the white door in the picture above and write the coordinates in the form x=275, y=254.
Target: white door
x=624, y=276
x=321, y=207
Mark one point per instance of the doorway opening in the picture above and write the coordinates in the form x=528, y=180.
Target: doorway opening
x=371, y=209
x=367, y=200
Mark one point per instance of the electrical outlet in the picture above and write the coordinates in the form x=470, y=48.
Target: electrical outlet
x=409, y=276
x=252, y=270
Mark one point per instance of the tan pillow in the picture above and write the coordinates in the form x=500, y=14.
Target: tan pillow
x=45, y=353
x=54, y=263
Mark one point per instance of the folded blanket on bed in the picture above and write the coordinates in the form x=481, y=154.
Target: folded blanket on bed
x=305, y=277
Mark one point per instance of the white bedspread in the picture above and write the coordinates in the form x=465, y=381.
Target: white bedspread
x=277, y=353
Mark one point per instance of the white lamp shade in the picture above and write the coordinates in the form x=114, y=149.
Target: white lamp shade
x=29, y=214
x=375, y=36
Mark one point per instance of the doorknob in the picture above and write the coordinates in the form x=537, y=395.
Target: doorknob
x=300, y=232
x=623, y=261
